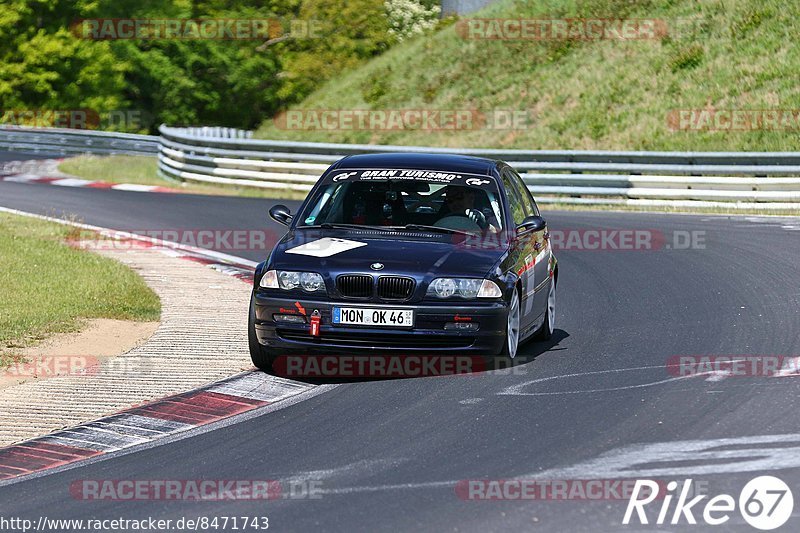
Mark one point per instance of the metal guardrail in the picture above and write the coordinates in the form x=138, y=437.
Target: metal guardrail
x=57, y=141
x=764, y=179
x=225, y=156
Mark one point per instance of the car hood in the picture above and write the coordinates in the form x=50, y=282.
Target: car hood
x=423, y=255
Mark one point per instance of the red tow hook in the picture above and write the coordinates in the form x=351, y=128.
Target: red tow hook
x=315, y=321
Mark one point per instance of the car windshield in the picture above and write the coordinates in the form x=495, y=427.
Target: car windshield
x=407, y=198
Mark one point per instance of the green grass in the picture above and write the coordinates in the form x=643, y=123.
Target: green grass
x=142, y=170
x=730, y=54
x=49, y=287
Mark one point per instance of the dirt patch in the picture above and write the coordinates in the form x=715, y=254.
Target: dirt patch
x=73, y=353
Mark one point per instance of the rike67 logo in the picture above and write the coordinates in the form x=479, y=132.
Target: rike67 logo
x=765, y=502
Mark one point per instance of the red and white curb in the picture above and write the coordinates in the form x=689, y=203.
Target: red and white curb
x=160, y=418
x=224, y=263
x=76, y=182
x=147, y=423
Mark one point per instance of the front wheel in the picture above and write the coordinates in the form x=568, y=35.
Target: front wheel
x=546, y=331
x=260, y=355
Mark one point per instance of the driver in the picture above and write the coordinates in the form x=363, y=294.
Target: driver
x=460, y=201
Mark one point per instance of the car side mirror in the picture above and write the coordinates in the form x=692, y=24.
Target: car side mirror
x=532, y=223
x=281, y=214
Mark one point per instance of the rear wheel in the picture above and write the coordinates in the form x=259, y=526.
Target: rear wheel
x=546, y=331
x=511, y=343
x=260, y=355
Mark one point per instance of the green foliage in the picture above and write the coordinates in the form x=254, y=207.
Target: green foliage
x=349, y=32
x=375, y=86
x=46, y=64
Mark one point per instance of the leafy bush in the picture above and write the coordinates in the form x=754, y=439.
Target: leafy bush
x=408, y=18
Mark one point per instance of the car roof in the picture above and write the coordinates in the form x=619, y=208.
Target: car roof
x=442, y=162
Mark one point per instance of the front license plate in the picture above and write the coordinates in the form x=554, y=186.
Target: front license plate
x=359, y=316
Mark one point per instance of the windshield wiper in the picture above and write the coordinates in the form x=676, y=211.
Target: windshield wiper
x=417, y=227
x=437, y=229
x=336, y=225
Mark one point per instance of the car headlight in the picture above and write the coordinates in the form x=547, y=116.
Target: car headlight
x=311, y=281
x=288, y=280
x=464, y=288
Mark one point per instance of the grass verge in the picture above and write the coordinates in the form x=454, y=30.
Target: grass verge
x=142, y=170
x=48, y=287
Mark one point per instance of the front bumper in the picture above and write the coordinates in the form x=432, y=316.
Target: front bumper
x=428, y=333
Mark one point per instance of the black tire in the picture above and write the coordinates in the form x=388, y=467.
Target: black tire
x=545, y=332
x=260, y=355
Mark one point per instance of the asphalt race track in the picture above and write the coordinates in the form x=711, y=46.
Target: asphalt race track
x=388, y=455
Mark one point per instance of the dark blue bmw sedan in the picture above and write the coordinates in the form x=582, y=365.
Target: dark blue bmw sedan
x=407, y=253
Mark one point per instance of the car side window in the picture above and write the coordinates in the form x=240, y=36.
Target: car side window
x=527, y=201
x=516, y=204
x=535, y=207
